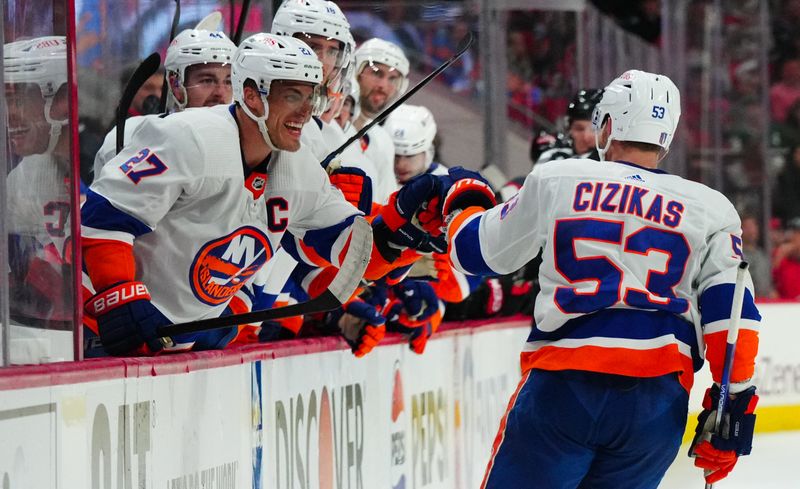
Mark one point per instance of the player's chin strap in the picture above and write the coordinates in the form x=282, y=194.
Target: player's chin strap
x=602, y=151
x=261, y=121
x=55, y=125
x=172, y=101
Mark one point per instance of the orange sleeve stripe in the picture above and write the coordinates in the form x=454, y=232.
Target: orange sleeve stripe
x=636, y=363
x=744, y=359
x=312, y=255
x=108, y=262
x=454, y=226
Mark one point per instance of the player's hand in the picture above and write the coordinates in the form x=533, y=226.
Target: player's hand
x=459, y=189
x=717, y=453
x=126, y=319
x=411, y=311
x=395, y=224
x=360, y=324
x=355, y=185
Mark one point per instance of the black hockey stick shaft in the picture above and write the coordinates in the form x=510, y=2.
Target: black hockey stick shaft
x=324, y=302
x=463, y=45
x=237, y=36
x=145, y=70
x=176, y=18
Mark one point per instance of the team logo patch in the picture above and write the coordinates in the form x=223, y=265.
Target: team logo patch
x=222, y=266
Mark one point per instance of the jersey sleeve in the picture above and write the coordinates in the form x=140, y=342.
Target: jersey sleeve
x=320, y=217
x=502, y=239
x=716, y=283
x=137, y=187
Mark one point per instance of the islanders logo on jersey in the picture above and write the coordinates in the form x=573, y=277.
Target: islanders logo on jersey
x=222, y=266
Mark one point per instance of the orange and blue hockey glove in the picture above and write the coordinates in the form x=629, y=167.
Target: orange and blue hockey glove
x=717, y=453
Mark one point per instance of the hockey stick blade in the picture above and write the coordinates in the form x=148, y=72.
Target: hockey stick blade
x=173, y=31
x=145, y=70
x=339, y=291
x=210, y=22
x=463, y=45
x=237, y=36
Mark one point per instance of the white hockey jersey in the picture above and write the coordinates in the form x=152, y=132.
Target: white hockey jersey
x=638, y=268
x=202, y=223
x=378, y=148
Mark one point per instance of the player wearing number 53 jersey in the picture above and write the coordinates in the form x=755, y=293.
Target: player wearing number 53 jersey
x=637, y=279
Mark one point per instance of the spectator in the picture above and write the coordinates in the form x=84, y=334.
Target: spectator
x=786, y=204
x=786, y=92
x=787, y=134
x=760, y=265
x=787, y=263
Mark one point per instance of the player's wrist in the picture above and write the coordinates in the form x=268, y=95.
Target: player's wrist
x=116, y=296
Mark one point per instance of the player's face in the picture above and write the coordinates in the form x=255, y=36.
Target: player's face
x=208, y=85
x=407, y=167
x=290, y=105
x=346, y=113
x=28, y=130
x=582, y=134
x=329, y=52
x=378, y=83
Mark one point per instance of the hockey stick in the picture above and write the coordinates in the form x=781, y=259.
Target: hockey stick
x=145, y=70
x=463, y=45
x=210, y=22
x=339, y=291
x=730, y=347
x=176, y=17
x=237, y=36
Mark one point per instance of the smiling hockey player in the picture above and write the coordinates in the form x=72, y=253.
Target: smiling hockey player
x=198, y=202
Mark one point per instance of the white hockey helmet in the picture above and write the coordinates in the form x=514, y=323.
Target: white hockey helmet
x=41, y=61
x=265, y=58
x=384, y=52
x=643, y=107
x=412, y=129
x=314, y=17
x=192, y=47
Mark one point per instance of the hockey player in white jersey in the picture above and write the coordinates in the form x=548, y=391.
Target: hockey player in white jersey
x=38, y=199
x=637, y=284
x=322, y=25
x=198, y=201
x=382, y=74
x=198, y=66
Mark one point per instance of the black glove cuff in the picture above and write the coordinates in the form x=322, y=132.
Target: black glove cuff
x=381, y=236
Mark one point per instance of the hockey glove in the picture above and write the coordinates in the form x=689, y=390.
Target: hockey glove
x=717, y=453
x=355, y=185
x=127, y=320
x=394, y=228
x=411, y=311
x=459, y=189
x=360, y=324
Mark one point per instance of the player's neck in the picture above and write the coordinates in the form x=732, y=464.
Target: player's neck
x=254, y=149
x=646, y=159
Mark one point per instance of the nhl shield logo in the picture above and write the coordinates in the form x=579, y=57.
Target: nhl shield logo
x=663, y=138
